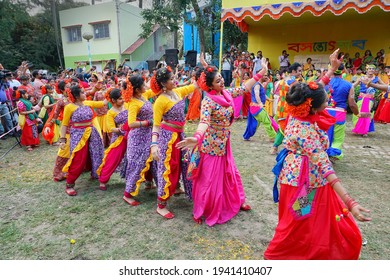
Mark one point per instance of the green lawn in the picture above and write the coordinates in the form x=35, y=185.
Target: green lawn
x=38, y=220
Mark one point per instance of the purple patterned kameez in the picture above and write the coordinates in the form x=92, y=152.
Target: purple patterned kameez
x=95, y=143
x=175, y=114
x=139, y=160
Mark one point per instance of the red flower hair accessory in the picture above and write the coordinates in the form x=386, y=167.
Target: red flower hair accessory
x=202, y=82
x=43, y=90
x=169, y=68
x=127, y=93
x=107, y=94
x=210, y=69
x=70, y=95
x=154, y=85
x=313, y=85
x=301, y=110
x=17, y=94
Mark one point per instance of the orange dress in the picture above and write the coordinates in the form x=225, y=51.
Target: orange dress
x=194, y=106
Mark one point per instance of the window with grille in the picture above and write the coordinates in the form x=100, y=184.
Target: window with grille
x=101, y=30
x=74, y=34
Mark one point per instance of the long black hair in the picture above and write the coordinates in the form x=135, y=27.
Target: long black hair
x=299, y=92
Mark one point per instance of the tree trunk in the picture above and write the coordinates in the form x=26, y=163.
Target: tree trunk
x=199, y=17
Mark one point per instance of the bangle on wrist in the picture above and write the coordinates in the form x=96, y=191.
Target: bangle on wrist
x=325, y=79
x=156, y=134
x=257, y=77
x=140, y=124
x=334, y=181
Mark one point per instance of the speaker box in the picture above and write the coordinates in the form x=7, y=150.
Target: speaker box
x=191, y=58
x=152, y=64
x=171, y=57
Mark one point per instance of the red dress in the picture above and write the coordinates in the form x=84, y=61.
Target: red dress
x=313, y=221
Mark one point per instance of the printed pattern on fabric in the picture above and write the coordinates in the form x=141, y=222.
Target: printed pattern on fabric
x=120, y=119
x=305, y=139
x=96, y=148
x=138, y=148
x=217, y=134
x=176, y=113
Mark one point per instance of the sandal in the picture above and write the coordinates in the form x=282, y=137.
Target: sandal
x=162, y=205
x=132, y=203
x=102, y=187
x=245, y=207
x=197, y=221
x=70, y=190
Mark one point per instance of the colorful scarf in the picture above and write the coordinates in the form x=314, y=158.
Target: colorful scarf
x=224, y=99
x=28, y=105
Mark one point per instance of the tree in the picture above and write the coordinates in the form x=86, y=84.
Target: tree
x=32, y=38
x=172, y=13
x=12, y=16
x=232, y=35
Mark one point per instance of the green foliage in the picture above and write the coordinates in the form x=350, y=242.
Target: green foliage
x=232, y=35
x=27, y=37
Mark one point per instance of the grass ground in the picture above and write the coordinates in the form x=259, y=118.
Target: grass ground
x=38, y=220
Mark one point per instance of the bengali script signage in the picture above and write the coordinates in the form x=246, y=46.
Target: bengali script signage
x=328, y=46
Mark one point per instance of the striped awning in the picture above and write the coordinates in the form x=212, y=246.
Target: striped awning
x=296, y=9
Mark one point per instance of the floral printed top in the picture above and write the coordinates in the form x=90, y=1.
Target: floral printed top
x=219, y=119
x=303, y=138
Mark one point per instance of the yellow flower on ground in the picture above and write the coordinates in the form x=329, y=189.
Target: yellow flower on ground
x=72, y=241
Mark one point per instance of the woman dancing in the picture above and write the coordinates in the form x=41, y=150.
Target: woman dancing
x=218, y=193
x=168, y=130
x=315, y=211
x=86, y=144
x=140, y=164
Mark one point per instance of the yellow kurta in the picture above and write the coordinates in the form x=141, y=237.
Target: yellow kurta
x=163, y=104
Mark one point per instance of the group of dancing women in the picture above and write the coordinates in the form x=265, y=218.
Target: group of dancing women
x=147, y=143
x=316, y=214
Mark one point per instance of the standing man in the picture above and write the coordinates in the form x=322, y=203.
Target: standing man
x=284, y=62
x=342, y=94
x=4, y=111
x=227, y=66
x=257, y=62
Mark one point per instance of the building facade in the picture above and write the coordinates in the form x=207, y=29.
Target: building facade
x=114, y=28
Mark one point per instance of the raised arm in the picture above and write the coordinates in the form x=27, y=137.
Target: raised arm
x=251, y=82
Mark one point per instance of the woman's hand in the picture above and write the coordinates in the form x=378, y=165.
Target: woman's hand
x=202, y=60
x=264, y=64
x=187, y=143
x=358, y=212
x=334, y=61
x=195, y=83
x=155, y=153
